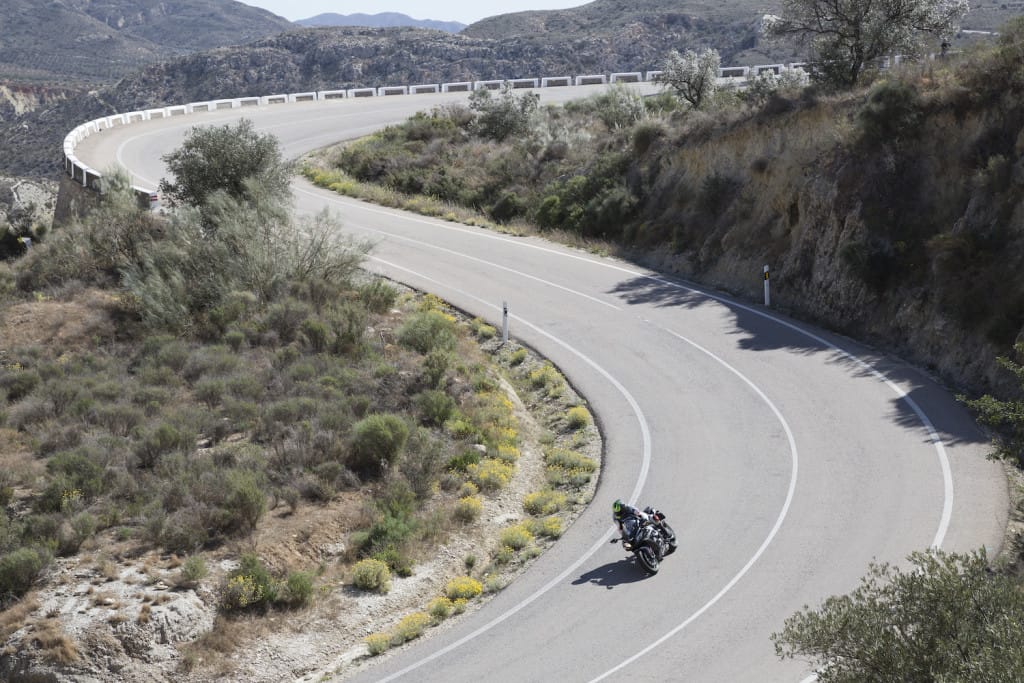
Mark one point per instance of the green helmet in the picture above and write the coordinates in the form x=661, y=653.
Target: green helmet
x=617, y=507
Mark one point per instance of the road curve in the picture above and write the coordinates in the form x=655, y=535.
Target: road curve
x=787, y=458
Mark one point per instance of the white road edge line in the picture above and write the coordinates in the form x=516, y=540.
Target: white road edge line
x=794, y=469
x=641, y=480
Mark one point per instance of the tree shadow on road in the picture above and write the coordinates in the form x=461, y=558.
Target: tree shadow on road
x=757, y=329
x=612, y=574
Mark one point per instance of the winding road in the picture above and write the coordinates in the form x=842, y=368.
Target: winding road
x=786, y=457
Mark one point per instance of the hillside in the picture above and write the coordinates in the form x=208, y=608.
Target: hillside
x=892, y=214
x=380, y=20
x=104, y=40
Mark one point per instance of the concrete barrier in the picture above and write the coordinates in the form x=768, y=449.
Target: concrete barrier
x=487, y=85
x=224, y=104
x=592, y=79
x=248, y=101
x=331, y=94
x=768, y=68
x=157, y=113
x=424, y=89
x=179, y=110
x=362, y=92
x=653, y=76
x=193, y=107
x=556, y=81
x=387, y=90
x=733, y=72
x=274, y=99
x=302, y=97
x=520, y=83
x=629, y=77
x=463, y=86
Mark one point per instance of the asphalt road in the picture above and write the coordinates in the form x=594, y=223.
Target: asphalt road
x=786, y=458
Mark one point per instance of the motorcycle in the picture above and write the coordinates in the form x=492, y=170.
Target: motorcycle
x=651, y=542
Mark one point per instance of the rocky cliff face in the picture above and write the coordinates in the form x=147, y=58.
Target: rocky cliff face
x=911, y=239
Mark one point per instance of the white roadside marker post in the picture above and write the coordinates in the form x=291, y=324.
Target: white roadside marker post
x=767, y=291
x=504, y=322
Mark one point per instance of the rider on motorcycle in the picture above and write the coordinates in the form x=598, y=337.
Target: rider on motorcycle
x=630, y=519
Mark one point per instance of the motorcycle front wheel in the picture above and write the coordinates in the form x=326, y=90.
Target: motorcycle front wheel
x=648, y=559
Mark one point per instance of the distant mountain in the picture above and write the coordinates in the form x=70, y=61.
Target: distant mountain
x=380, y=20
x=99, y=41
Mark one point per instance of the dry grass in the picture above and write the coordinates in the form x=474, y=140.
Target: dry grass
x=14, y=618
x=55, y=645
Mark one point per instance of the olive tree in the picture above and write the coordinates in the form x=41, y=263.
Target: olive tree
x=692, y=77
x=849, y=37
x=225, y=158
x=947, y=618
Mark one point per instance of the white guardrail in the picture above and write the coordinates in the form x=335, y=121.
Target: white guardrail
x=90, y=177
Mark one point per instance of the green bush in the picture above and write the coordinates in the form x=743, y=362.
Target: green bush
x=163, y=440
x=578, y=417
x=378, y=296
x=435, y=407
x=563, y=457
x=193, y=570
x=377, y=441
x=491, y=474
x=18, y=384
x=440, y=608
x=250, y=586
x=244, y=500
x=516, y=537
x=544, y=502
x=468, y=509
x=427, y=331
x=372, y=575
x=298, y=589
x=19, y=569
x=892, y=113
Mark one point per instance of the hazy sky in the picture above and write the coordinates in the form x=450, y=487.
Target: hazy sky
x=442, y=10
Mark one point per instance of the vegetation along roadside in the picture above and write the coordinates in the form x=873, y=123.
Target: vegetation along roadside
x=217, y=431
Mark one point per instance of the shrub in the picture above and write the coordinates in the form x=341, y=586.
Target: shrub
x=578, y=417
x=428, y=331
x=193, y=570
x=544, y=376
x=468, y=508
x=18, y=383
x=316, y=334
x=550, y=527
x=544, y=502
x=560, y=476
x=563, y=457
x=378, y=296
x=482, y=330
x=298, y=589
x=371, y=575
x=249, y=586
x=164, y=439
x=244, y=500
x=376, y=443
x=463, y=587
x=517, y=357
x=410, y=627
x=440, y=608
x=19, y=569
x=516, y=537
x=377, y=643
x=435, y=407
x=893, y=113
x=490, y=474
x=435, y=365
